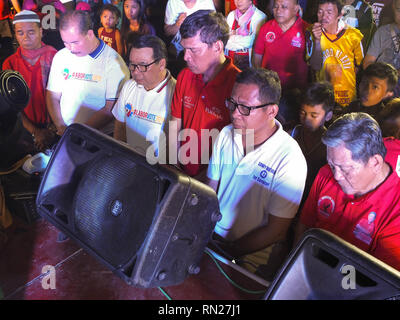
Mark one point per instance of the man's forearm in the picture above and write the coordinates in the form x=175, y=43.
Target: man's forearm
x=119, y=131
x=261, y=237
x=54, y=109
x=316, y=60
x=171, y=29
x=102, y=117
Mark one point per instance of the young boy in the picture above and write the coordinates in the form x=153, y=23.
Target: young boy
x=316, y=109
x=376, y=88
x=109, y=33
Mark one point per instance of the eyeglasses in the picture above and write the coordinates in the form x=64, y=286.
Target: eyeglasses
x=141, y=67
x=243, y=110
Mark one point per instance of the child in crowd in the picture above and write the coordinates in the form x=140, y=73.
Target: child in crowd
x=376, y=88
x=315, y=110
x=245, y=22
x=109, y=16
x=134, y=20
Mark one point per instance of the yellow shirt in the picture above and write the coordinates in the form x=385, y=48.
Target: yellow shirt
x=341, y=54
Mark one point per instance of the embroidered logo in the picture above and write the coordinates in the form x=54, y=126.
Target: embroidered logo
x=188, y=102
x=296, y=41
x=365, y=228
x=326, y=206
x=270, y=37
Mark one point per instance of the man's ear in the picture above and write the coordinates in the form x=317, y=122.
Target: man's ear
x=376, y=162
x=90, y=34
x=162, y=63
x=218, y=46
x=272, y=111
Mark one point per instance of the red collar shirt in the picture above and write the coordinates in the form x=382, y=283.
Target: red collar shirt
x=202, y=106
x=370, y=222
x=284, y=52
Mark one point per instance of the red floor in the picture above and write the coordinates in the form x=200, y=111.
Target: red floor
x=79, y=276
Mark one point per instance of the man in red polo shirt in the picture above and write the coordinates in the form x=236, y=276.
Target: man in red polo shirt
x=357, y=194
x=33, y=60
x=280, y=45
x=201, y=89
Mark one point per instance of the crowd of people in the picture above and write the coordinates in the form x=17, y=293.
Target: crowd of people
x=288, y=109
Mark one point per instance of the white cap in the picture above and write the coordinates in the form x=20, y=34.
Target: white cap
x=26, y=16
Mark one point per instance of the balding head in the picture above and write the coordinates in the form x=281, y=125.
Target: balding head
x=79, y=19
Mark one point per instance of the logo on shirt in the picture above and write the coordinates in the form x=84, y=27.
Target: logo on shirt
x=296, y=41
x=270, y=37
x=326, y=206
x=214, y=111
x=365, y=228
x=131, y=112
x=81, y=76
x=188, y=102
x=264, y=175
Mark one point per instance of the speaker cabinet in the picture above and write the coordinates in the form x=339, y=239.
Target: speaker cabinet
x=324, y=267
x=148, y=224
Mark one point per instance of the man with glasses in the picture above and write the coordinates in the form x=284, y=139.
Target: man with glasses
x=198, y=104
x=85, y=77
x=257, y=170
x=144, y=104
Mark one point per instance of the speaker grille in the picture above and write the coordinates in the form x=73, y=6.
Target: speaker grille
x=112, y=210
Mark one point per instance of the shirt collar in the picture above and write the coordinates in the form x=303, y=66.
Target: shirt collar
x=94, y=54
x=220, y=78
x=160, y=86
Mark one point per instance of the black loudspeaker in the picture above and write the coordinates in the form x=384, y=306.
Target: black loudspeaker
x=148, y=224
x=325, y=267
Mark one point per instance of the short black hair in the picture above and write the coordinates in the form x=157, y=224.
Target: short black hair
x=111, y=8
x=211, y=25
x=268, y=82
x=320, y=93
x=139, y=41
x=338, y=3
x=382, y=71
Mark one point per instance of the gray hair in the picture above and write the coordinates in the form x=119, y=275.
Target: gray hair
x=359, y=132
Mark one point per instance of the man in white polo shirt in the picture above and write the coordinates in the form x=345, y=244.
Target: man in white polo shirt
x=85, y=77
x=257, y=170
x=143, y=107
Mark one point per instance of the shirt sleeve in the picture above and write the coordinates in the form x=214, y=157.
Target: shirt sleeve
x=288, y=186
x=260, y=41
x=375, y=47
x=358, y=48
x=176, y=104
x=117, y=73
x=56, y=75
x=214, y=166
x=308, y=215
x=170, y=13
x=119, y=109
